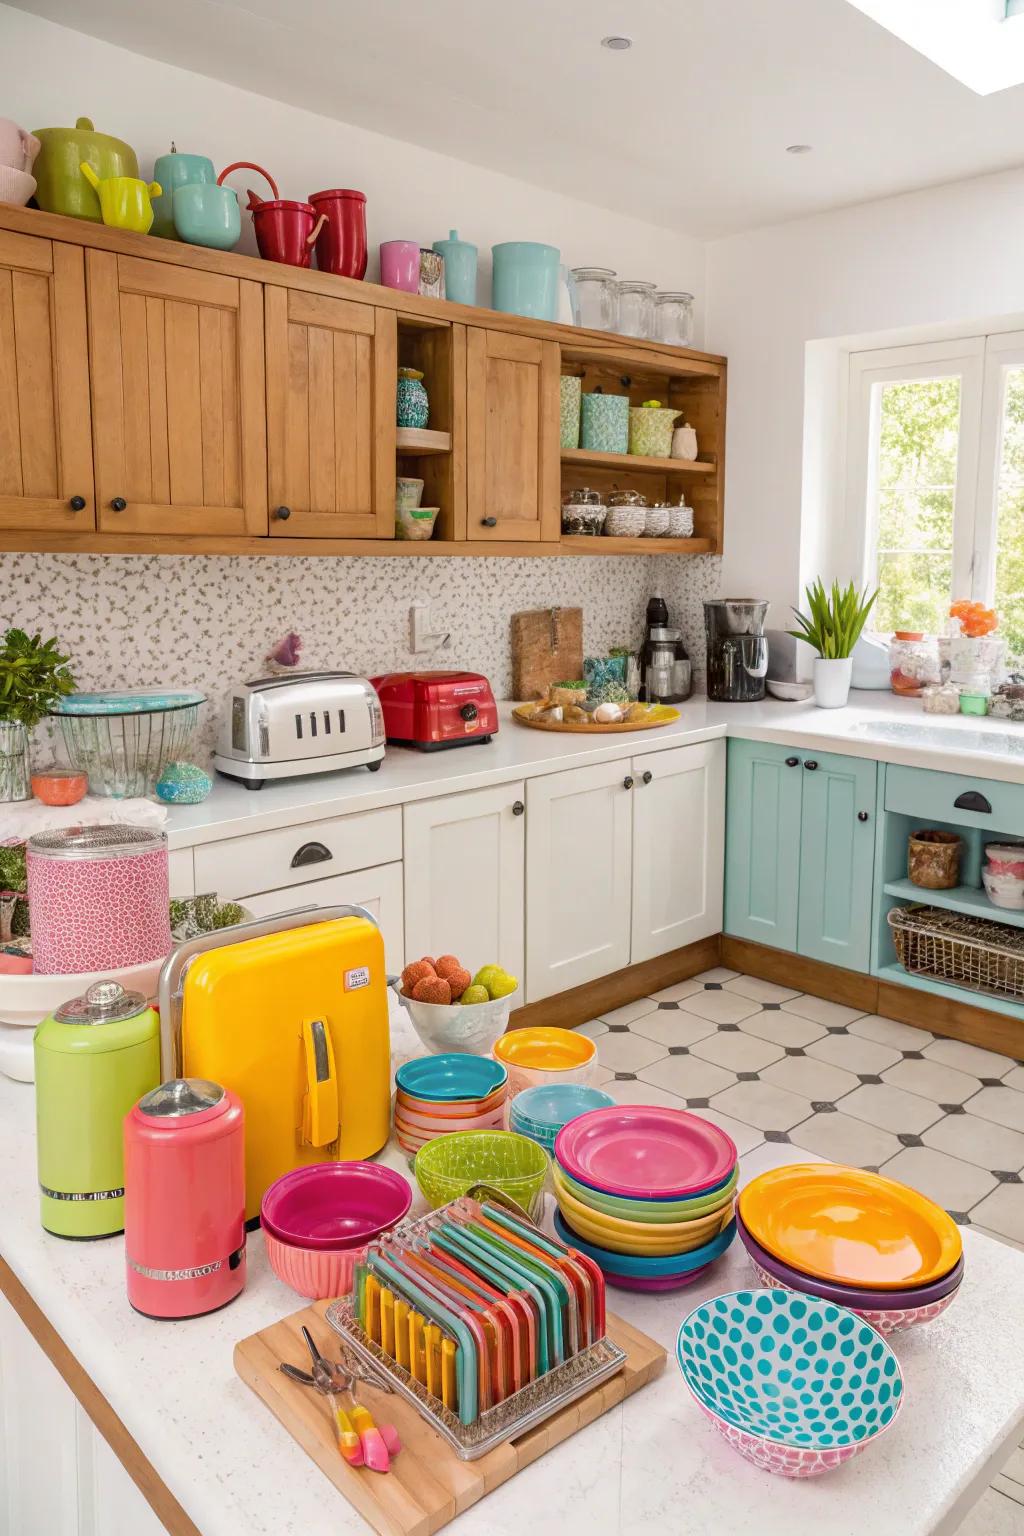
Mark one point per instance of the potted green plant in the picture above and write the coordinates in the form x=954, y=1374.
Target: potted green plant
x=33, y=676
x=833, y=629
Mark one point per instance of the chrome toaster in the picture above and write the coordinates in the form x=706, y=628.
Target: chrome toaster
x=309, y=722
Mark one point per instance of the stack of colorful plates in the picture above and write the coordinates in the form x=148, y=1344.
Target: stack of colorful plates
x=438, y=1095
x=646, y=1192
x=541, y=1112
x=854, y=1238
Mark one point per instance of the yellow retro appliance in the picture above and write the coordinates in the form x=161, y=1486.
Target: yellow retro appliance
x=291, y=1014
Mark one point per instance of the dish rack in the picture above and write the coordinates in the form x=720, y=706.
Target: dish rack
x=968, y=951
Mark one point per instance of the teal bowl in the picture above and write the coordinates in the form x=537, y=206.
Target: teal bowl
x=640, y=1267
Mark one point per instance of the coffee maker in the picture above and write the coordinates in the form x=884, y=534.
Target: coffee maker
x=737, y=658
x=665, y=673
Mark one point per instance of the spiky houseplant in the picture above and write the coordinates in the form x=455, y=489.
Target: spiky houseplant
x=836, y=620
x=34, y=675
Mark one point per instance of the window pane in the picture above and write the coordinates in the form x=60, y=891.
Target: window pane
x=919, y=424
x=1009, y=562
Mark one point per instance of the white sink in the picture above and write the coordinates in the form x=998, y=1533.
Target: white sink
x=957, y=738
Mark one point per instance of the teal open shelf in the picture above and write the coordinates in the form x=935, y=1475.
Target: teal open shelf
x=962, y=898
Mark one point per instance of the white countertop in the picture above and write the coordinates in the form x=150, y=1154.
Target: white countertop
x=874, y=725
x=652, y=1465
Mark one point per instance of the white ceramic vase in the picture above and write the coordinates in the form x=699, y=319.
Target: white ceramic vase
x=832, y=681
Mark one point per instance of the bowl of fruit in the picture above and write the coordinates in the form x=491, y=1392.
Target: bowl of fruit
x=450, y=1008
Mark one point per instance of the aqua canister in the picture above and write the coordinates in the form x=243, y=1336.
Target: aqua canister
x=95, y=1056
x=173, y=171
x=460, y=261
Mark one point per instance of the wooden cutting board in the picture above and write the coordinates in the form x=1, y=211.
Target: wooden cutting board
x=547, y=647
x=428, y=1485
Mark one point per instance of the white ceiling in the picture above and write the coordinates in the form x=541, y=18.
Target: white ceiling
x=687, y=130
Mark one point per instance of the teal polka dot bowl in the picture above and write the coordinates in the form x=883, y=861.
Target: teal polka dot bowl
x=795, y=1384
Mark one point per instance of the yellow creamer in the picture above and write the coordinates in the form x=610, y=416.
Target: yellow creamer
x=296, y=1024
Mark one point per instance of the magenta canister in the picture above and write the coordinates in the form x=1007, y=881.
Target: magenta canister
x=98, y=898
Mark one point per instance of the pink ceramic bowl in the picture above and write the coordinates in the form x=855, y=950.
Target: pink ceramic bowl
x=888, y=1321
x=317, y=1273
x=450, y=1109
x=329, y=1206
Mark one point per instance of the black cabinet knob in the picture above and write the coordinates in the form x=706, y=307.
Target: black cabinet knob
x=810, y=764
x=311, y=853
x=792, y=762
x=518, y=808
x=77, y=503
x=970, y=800
x=489, y=522
x=282, y=514
x=469, y=711
x=648, y=776
x=118, y=504
x=627, y=782
x=862, y=815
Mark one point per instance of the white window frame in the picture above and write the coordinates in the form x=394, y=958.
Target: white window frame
x=1002, y=352
x=963, y=357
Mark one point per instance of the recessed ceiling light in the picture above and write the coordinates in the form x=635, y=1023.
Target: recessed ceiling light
x=799, y=149
x=617, y=44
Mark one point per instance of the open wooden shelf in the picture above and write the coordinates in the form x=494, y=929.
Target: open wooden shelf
x=422, y=440
x=961, y=898
x=605, y=544
x=637, y=461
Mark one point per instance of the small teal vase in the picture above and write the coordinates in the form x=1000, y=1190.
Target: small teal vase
x=413, y=401
x=459, y=268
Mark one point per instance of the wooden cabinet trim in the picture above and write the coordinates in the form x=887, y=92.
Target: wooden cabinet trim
x=156, y=279
x=334, y=314
x=28, y=253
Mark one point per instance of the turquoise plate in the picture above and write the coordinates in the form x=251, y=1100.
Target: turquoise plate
x=455, y=1075
x=639, y=1268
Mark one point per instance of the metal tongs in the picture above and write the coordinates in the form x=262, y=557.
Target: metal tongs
x=360, y=1441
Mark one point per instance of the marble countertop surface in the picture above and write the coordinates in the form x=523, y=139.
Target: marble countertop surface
x=650, y=1467
x=874, y=725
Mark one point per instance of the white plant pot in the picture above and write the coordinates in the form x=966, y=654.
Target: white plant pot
x=832, y=681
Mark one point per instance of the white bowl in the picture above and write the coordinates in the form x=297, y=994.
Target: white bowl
x=454, y=1027
x=16, y=186
x=656, y=520
x=625, y=522
x=1005, y=891
x=793, y=693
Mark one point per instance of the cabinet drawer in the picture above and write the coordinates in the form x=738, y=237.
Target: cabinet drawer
x=379, y=889
x=930, y=796
x=266, y=861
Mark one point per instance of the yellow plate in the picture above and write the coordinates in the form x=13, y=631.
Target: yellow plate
x=850, y=1227
x=660, y=714
x=649, y=1247
x=545, y=1048
x=672, y=1233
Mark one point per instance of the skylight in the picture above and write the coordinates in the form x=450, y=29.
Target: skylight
x=978, y=42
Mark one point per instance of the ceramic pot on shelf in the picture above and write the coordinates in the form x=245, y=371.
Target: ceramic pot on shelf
x=460, y=259
x=412, y=401
x=173, y=171
x=832, y=677
x=400, y=265
x=286, y=229
x=341, y=243
x=207, y=213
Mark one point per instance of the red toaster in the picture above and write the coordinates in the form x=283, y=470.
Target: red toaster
x=433, y=710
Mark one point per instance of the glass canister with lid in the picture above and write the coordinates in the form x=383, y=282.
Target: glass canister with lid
x=98, y=898
x=636, y=309
x=596, y=298
x=583, y=512
x=913, y=662
x=674, y=318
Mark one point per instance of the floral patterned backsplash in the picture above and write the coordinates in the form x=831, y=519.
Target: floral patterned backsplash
x=131, y=621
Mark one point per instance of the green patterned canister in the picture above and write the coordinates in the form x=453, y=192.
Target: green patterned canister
x=605, y=423
x=650, y=429
x=570, y=390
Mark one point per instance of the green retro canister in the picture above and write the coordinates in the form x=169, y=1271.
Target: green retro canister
x=94, y=1059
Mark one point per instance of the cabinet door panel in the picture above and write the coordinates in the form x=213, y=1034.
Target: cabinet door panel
x=762, y=855
x=837, y=858
x=512, y=413
x=678, y=847
x=178, y=398
x=45, y=444
x=578, y=877
x=331, y=369
x=464, y=877
x=378, y=889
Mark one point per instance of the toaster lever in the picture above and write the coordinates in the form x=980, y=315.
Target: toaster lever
x=320, y=1109
x=311, y=853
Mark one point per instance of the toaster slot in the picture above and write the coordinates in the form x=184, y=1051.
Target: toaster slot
x=298, y=727
x=327, y=722
x=341, y=721
x=312, y=722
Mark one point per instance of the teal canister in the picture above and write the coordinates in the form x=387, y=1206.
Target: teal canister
x=173, y=171
x=525, y=279
x=95, y=1057
x=604, y=422
x=459, y=268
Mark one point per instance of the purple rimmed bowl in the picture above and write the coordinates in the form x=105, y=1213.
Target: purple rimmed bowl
x=328, y=1207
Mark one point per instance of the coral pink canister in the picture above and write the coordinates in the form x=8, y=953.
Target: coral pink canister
x=98, y=898
x=184, y=1199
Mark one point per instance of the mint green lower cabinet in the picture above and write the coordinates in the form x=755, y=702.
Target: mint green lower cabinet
x=837, y=855
x=762, y=842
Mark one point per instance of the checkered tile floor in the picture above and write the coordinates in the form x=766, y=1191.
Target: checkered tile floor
x=770, y=1064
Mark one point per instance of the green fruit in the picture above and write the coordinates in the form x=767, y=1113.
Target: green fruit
x=475, y=994
x=502, y=985
x=486, y=974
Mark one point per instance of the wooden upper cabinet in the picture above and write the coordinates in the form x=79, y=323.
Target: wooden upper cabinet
x=331, y=377
x=179, y=420
x=512, y=416
x=46, y=481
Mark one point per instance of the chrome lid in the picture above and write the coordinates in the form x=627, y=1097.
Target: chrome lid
x=181, y=1096
x=118, y=840
x=105, y=1002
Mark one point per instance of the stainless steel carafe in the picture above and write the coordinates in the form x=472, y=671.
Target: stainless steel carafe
x=737, y=657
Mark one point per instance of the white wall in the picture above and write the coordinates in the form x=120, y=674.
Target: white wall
x=949, y=257
x=52, y=75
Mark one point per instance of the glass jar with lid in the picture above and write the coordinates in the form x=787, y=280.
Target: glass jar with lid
x=636, y=309
x=583, y=512
x=674, y=318
x=596, y=298
x=913, y=662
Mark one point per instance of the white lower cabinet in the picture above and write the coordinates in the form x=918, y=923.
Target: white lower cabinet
x=579, y=836
x=59, y=1476
x=378, y=889
x=678, y=847
x=464, y=877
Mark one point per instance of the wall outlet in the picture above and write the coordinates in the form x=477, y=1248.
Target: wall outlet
x=425, y=633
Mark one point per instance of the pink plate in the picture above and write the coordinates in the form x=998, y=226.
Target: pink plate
x=655, y=1282
x=645, y=1152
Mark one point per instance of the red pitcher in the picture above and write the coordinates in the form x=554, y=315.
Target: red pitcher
x=285, y=230
x=341, y=243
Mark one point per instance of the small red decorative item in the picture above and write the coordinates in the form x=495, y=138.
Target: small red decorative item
x=341, y=243
x=285, y=229
x=60, y=786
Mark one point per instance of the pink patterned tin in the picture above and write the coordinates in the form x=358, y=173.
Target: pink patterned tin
x=98, y=898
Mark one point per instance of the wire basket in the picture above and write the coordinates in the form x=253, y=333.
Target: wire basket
x=968, y=951
x=124, y=741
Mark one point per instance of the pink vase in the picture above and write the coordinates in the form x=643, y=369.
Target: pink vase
x=400, y=265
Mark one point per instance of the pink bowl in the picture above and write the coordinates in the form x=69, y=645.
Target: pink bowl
x=450, y=1109
x=887, y=1321
x=318, y=1273
x=489, y=1119
x=331, y=1206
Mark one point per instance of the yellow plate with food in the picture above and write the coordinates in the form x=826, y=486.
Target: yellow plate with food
x=542, y=716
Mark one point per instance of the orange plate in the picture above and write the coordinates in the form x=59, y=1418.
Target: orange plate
x=850, y=1227
x=544, y=1047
